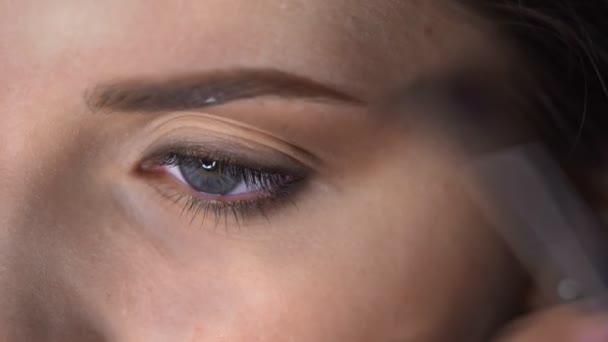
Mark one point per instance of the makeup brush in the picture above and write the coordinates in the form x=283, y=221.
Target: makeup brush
x=518, y=185
x=544, y=220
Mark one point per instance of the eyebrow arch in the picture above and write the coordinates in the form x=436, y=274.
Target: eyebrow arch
x=209, y=89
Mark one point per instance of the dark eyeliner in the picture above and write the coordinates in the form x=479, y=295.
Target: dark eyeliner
x=275, y=182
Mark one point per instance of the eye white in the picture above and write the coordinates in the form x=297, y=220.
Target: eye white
x=174, y=171
x=241, y=188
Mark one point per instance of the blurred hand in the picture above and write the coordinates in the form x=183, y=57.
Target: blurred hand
x=568, y=323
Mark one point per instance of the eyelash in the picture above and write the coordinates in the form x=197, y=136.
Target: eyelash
x=273, y=188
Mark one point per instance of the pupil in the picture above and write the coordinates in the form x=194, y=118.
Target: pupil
x=209, y=165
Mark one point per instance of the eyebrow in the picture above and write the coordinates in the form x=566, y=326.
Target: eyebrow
x=209, y=89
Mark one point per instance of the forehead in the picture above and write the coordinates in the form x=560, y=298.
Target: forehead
x=154, y=37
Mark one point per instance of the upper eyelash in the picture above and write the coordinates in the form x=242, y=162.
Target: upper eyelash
x=267, y=180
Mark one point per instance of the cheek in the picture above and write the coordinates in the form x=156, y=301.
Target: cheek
x=412, y=259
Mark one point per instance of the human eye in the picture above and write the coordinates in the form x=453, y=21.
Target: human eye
x=213, y=184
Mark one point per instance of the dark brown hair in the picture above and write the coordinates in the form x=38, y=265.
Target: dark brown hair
x=566, y=43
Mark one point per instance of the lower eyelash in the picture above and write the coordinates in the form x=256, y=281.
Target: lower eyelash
x=238, y=211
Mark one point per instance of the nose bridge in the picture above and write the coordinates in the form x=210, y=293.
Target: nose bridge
x=21, y=311
x=15, y=288
x=15, y=150
x=35, y=305
x=19, y=163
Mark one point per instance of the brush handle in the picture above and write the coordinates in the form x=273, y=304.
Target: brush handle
x=524, y=192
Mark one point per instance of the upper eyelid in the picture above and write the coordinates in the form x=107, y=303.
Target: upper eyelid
x=225, y=150
x=182, y=155
x=210, y=133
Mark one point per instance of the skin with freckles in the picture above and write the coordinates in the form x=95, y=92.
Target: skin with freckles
x=374, y=243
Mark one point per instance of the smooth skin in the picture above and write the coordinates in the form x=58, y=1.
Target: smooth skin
x=380, y=245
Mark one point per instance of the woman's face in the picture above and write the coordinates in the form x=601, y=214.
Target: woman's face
x=216, y=171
